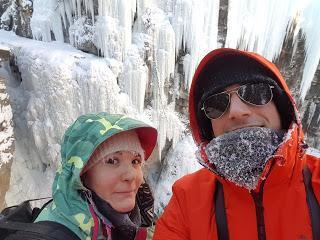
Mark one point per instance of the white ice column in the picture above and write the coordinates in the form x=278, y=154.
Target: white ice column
x=195, y=24
x=311, y=19
x=168, y=124
x=158, y=37
x=134, y=78
x=113, y=28
x=108, y=37
x=46, y=19
x=156, y=24
x=260, y=26
x=76, y=7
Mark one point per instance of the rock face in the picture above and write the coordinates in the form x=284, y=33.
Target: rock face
x=223, y=22
x=6, y=136
x=291, y=63
x=311, y=112
x=5, y=173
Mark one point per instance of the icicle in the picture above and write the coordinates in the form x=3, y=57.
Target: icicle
x=142, y=5
x=46, y=19
x=260, y=26
x=169, y=126
x=108, y=37
x=125, y=17
x=133, y=79
x=65, y=13
x=181, y=16
x=89, y=8
x=115, y=16
x=195, y=25
x=163, y=51
x=311, y=15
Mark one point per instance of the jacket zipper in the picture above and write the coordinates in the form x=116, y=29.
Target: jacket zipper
x=258, y=202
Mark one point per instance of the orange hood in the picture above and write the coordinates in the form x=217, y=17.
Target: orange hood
x=293, y=142
x=194, y=124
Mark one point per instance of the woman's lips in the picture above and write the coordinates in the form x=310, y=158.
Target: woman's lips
x=126, y=193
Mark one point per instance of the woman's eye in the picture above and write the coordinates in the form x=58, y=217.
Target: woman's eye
x=112, y=161
x=136, y=161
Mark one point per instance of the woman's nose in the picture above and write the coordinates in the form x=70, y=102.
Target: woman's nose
x=237, y=108
x=128, y=172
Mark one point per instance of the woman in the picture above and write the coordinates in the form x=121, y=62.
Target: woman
x=98, y=191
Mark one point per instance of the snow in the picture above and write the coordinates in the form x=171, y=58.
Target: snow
x=4, y=47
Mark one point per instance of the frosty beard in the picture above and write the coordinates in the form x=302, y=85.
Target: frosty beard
x=240, y=156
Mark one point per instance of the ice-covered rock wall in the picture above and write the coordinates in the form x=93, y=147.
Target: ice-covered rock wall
x=137, y=57
x=184, y=152
x=6, y=132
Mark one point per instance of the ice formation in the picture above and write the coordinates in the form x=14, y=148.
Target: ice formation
x=139, y=43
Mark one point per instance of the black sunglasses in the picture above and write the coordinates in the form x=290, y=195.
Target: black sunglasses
x=257, y=94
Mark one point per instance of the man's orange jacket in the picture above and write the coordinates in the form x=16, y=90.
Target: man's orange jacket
x=191, y=213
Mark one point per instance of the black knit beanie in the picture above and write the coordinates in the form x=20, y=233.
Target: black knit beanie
x=230, y=69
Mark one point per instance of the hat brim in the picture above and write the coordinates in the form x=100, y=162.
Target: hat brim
x=148, y=138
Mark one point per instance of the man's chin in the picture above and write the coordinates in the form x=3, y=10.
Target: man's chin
x=234, y=129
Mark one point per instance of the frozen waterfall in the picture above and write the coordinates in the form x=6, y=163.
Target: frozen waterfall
x=131, y=56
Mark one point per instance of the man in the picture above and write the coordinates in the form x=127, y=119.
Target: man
x=259, y=181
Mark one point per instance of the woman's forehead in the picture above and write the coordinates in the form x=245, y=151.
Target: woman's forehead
x=125, y=153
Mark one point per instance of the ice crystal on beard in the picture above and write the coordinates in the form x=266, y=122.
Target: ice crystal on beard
x=240, y=156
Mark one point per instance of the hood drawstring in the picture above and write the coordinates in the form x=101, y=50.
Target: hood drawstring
x=106, y=223
x=96, y=223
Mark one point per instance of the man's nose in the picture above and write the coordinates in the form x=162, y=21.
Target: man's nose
x=237, y=108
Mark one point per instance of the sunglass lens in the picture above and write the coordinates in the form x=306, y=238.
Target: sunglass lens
x=216, y=105
x=257, y=94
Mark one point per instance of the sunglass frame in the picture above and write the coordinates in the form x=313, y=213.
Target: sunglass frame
x=228, y=92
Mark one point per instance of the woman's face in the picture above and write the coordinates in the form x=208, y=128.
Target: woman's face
x=116, y=179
